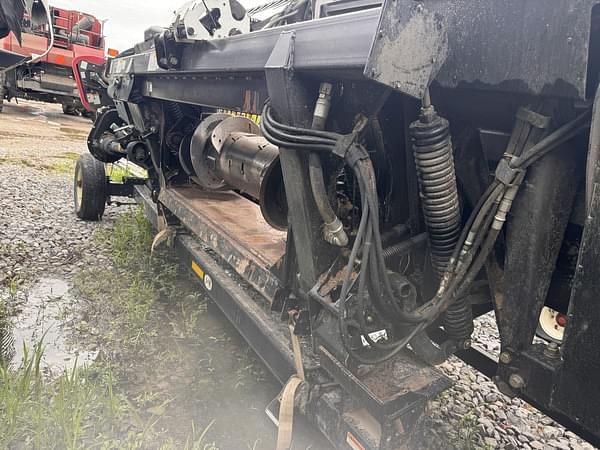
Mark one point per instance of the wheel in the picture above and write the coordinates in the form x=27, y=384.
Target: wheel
x=69, y=110
x=551, y=325
x=87, y=114
x=90, y=188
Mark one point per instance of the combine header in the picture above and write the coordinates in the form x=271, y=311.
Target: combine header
x=50, y=78
x=410, y=166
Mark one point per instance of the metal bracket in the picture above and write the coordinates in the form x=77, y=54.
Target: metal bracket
x=416, y=40
x=206, y=20
x=282, y=56
x=506, y=174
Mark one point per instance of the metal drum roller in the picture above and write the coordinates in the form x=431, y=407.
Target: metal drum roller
x=228, y=152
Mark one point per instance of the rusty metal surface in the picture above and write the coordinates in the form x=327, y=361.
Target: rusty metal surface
x=399, y=376
x=390, y=388
x=234, y=228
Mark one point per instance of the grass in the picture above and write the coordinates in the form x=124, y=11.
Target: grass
x=90, y=407
x=79, y=409
x=65, y=164
x=17, y=160
x=61, y=167
x=117, y=172
x=467, y=433
x=6, y=337
x=71, y=156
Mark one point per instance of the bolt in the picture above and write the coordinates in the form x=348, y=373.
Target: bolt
x=505, y=358
x=191, y=31
x=173, y=60
x=516, y=381
x=552, y=350
x=466, y=344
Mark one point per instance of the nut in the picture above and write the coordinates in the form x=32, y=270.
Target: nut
x=516, y=381
x=505, y=358
x=552, y=350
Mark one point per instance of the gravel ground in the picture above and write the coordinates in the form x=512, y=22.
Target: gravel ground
x=500, y=422
x=40, y=236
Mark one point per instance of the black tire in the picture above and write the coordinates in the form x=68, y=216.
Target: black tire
x=69, y=110
x=89, y=188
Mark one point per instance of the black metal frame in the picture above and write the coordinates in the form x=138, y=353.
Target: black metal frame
x=286, y=64
x=329, y=398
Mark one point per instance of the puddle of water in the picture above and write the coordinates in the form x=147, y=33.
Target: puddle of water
x=42, y=317
x=207, y=378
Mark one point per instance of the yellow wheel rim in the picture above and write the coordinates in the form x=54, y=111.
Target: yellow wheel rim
x=78, y=188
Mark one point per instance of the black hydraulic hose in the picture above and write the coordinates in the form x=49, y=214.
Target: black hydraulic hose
x=299, y=139
x=380, y=262
x=317, y=182
x=291, y=145
x=357, y=242
x=404, y=246
x=478, y=263
x=457, y=279
x=472, y=217
x=333, y=231
x=550, y=142
x=297, y=130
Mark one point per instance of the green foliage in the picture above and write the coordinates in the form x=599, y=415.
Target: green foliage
x=78, y=408
x=467, y=433
x=61, y=167
x=87, y=407
x=129, y=241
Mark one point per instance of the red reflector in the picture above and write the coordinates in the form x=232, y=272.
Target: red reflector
x=60, y=59
x=561, y=319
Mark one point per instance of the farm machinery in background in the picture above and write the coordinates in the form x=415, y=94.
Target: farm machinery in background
x=373, y=178
x=56, y=42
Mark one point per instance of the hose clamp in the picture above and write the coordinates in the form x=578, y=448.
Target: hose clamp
x=505, y=173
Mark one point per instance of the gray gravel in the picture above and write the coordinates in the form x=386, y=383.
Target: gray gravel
x=39, y=233
x=474, y=404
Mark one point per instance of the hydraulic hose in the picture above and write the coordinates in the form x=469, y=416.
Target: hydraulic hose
x=472, y=248
x=333, y=230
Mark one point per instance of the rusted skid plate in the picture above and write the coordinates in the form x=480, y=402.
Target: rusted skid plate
x=391, y=388
x=233, y=227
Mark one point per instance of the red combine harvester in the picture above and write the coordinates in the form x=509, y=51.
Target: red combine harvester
x=50, y=79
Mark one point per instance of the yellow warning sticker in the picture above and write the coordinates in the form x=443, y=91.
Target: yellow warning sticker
x=198, y=270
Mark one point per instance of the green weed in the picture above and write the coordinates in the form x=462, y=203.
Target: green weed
x=79, y=409
x=72, y=156
x=61, y=167
x=467, y=433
